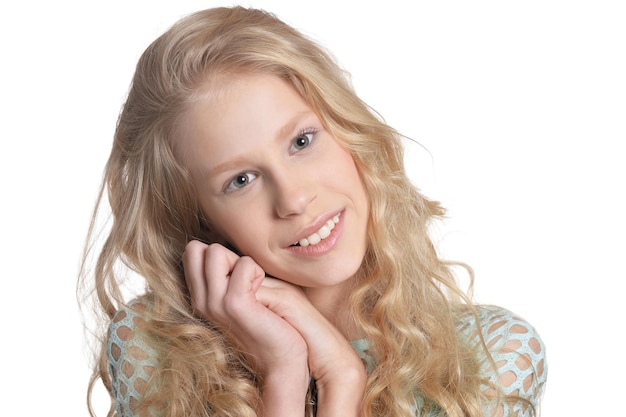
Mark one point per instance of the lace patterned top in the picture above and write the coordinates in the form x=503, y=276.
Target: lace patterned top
x=515, y=346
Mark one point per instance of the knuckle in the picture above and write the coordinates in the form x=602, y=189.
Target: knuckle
x=233, y=305
x=193, y=245
x=246, y=260
x=249, y=265
x=215, y=248
x=192, y=249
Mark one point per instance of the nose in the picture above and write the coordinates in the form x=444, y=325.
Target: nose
x=293, y=193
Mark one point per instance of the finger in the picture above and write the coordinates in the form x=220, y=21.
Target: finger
x=193, y=266
x=289, y=303
x=218, y=264
x=245, y=279
x=271, y=282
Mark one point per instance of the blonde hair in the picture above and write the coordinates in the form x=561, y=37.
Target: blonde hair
x=406, y=299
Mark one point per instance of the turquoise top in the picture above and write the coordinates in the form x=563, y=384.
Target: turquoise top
x=515, y=346
x=516, y=349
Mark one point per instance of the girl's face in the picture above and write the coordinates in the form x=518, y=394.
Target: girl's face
x=275, y=184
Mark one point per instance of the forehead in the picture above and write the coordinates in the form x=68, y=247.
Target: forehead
x=238, y=112
x=258, y=100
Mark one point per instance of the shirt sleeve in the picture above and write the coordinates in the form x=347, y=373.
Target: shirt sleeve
x=131, y=360
x=519, y=356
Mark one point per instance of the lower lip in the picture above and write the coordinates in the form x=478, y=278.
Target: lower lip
x=325, y=245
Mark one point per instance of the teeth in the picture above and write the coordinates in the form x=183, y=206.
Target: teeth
x=321, y=234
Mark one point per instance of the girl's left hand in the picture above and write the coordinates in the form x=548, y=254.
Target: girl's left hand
x=338, y=371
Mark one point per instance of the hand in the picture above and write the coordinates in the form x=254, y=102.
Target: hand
x=328, y=349
x=338, y=371
x=277, y=327
x=223, y=289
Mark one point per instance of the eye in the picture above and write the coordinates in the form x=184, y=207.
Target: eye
x=303, y=140
x=240, y=180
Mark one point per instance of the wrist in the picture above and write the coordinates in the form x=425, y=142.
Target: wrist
x=341, y=396
x=283, y=391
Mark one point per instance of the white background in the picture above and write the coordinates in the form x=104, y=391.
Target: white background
x=521, y=106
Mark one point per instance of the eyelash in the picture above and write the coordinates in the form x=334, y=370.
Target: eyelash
x=309, y=133
x=231, y=184
x=305, y=132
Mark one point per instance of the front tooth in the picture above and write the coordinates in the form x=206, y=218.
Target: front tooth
x=323, y=233
x=314, y=239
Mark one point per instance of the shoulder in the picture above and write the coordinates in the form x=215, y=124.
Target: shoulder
x=516, y=349
x=125, y=331
x=131, y=359
x=508, y=335
x=498, y=325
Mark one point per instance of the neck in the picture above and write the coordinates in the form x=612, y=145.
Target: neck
x=334, y=305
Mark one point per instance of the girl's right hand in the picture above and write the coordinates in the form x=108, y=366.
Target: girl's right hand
x=223, y=288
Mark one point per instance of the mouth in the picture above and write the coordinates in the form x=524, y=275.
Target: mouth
x=323, y=232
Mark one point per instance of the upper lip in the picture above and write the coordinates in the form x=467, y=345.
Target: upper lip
x=313, y=227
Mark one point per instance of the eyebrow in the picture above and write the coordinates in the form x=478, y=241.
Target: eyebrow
x=286, y=130
x=290, y=126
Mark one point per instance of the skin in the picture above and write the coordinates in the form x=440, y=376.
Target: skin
x=268, y=174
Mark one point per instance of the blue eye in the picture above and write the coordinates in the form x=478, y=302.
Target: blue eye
x=303, y=140
x=241, y=180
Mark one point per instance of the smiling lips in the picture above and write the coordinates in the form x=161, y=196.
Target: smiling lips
x=320, y=235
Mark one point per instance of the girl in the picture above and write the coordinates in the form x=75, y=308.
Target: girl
x=286, y=254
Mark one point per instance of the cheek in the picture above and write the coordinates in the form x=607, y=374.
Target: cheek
x=221, y=220
x=345, y=170
x=238, y=227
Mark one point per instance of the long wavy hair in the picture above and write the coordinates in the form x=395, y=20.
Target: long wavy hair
x=406, y=300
